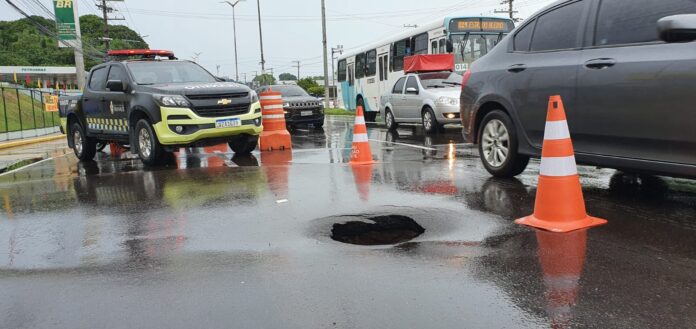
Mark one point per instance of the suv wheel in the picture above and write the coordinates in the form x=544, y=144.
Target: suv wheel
x=85, y=148
x=498, y=146
x=390, y=121
x=244, y=144
x=430, y=124
x=149, y=149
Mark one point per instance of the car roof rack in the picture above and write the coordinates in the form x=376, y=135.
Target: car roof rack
x=140, y=54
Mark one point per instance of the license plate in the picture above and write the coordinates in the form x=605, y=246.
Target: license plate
x=306, y=113
x=228, y=123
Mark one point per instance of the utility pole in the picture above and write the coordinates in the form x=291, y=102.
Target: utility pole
x=217, y=68
x=297, y=65
x=509, y=11
x=339, y=50
x=263, y=62
x=326, y=55
x=245, y=79
x=106, y=9
x=234, y=32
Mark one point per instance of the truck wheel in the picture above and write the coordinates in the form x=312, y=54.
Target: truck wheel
x=497, y=139
x=430, y=124
x=244, y=144
x=85, y=148
x=148, y=147
x=390, y=121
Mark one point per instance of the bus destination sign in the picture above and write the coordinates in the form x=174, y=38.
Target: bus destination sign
x=480, y=25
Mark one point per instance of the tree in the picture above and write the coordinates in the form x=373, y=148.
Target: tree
x=307, y=83
x=265, y=79
x=287, y=77
x=316, y=91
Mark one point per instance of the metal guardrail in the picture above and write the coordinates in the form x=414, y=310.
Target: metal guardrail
x=23, y=109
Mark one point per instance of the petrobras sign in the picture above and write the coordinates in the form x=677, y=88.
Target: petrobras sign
x=65, y=21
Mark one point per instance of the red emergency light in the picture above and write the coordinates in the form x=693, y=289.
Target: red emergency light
x=429, y=63
x=144, y=53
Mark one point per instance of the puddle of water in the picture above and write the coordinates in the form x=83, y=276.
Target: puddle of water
x=377, y=230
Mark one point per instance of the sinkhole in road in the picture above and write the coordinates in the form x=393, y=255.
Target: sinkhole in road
x=377, y=230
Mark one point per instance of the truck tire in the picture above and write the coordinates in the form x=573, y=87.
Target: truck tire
x=498, y=146
x=84, y=147
x=147, y=146
x=244, y=144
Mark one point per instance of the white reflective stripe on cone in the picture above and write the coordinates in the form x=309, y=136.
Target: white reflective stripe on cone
x=268, y=98
x=274, y=116
x=556, y=130
x=274, y=107
x=359, y=138
x=359, y=120
x=558, y=167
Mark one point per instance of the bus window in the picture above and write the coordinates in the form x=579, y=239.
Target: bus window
x=420, y=44
x=351, y=75
x=433, y=47
x=443, y=46
x=371, y=60
x=360, y=66
x=341, y=70
x=383, y=67
x=400, y=49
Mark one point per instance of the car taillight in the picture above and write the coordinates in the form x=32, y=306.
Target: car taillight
x=465, y=80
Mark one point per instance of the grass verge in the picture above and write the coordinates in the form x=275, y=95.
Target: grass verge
x=339, y=112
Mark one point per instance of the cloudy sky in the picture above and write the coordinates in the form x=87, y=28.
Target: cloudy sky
x=291, y=28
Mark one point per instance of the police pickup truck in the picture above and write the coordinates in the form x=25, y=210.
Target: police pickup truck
x=157, y=104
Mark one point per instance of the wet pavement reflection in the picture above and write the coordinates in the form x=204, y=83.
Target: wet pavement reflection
x=214, y=240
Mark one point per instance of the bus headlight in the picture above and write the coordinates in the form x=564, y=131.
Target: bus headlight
x=444, y=100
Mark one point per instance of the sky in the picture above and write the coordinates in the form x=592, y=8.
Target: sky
x=292, y=29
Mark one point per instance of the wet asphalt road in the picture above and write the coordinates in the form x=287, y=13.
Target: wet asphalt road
x=215, y=241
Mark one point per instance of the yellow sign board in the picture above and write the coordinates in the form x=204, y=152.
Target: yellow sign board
x=465, y=25
x=51, y=103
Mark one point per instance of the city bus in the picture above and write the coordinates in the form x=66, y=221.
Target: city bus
x=364, y=74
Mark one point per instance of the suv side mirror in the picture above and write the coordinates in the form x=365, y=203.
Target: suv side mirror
x=116, y=85
x=677, y=28
x=411, y=90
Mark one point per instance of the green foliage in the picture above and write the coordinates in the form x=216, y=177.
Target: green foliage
x=287, y=77
x=316, y=91
x=307, y=83
x=265, y=79
x=22, y=44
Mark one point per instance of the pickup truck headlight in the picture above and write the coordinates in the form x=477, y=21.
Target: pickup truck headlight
x=171, y=100
x=254, y=97
x=444, y=100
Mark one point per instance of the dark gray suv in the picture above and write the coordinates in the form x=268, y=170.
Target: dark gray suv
x=626, y=70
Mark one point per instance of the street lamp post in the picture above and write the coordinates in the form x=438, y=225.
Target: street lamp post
x=339, y=50
x=263, y=61
x=234, y=31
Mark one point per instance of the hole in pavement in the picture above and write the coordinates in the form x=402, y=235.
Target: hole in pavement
x=384, y=230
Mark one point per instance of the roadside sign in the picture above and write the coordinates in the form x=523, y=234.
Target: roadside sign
x=65, y=22
x=51, y=103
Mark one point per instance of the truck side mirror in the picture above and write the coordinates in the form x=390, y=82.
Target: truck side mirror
x=116, y=85
x=677, y=28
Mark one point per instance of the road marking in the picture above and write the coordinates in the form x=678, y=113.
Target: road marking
x=31, y=165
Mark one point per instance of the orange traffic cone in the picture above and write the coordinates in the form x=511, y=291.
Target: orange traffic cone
x=116, y=150
x=560, y=205
x=361, y=153
x=277, y=168
x=562, y=258
x=275, y=135
x=363, y=180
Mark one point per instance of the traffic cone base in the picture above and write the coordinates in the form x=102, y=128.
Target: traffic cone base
x=561, y=227
x=275, y=140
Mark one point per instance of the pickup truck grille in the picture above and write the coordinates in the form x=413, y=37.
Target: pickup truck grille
x=220, y=105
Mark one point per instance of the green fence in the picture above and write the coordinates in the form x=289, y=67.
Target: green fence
x=23, y=109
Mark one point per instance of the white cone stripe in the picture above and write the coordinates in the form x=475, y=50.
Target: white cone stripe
x=273, y=107
x=556, y=130
x=274, y=116
x=558, y=167
x=359, y=120
x=267, y=98
x=360, y=138
x=562, y=283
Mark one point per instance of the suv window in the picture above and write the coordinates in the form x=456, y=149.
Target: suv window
x=558, y=29
x=412, y=83
x=97, y=81
x=635, y=21
x=523, y=38
x=117, y=73
x=399, y=86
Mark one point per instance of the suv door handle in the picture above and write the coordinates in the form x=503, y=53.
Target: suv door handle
x=600, y=63
x=517, y=68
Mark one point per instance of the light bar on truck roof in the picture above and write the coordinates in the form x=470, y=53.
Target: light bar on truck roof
x=144, y=53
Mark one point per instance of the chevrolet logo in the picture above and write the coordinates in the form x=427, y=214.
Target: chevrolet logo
x=224, y=101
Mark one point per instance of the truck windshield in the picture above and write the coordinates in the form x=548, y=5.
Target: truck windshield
x=166, y=72
x=440, y=80
x=291, y=91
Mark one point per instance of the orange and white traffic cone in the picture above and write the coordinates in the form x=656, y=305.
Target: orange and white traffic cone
x=361, y=153
x=562, y=258
x=275, y=135
x=363, y=180
x=560, y=205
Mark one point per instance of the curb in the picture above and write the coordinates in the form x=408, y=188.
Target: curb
x=30, y=141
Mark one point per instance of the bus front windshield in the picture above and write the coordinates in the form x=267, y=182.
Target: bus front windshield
x=470, y=47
